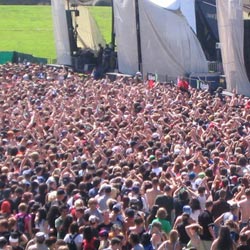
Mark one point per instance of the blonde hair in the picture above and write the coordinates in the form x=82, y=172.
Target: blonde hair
x=78, y=203
x=173, y=236
x=63, y=248
x=51, y=196
x=22, y=207
x=161, y=213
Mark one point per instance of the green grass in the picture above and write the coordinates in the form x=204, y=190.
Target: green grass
x=29, y=29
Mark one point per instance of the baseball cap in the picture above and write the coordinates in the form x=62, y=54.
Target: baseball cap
x=103, y=233
x=93, y=219
x=201, y=175
x=130, y=212
x=115, y=240
x=117, y=207
x=187, y=210
x=13, y=239
x=40, y=235
x=191, y=175
x=151, y=157
x=135, y=189
x=60, y=192
x=3, y=241
x=167, y=188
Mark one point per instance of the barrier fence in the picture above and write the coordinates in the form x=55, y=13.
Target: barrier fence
x=17, y=57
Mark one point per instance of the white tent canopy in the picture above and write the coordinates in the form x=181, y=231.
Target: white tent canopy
x=187, y=8
x=168, y=44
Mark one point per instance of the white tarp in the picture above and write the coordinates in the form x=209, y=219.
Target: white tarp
x=187, y=8
x=168, y=44
x=61, y=32
x=89, y=35
x=126, y=36
x=231, y=33
x=168, y=4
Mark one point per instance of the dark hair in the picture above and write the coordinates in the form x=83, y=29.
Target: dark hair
x=52, y=215
x=195, y=204
x=183, y=195
x=154, y=210
x=145, y=239
x=224, y=239
x=138, y=220
x=63, y=207
x=185, y=218
x=87, y=233
x=208, y=204
x=135, y=238
x=243, y=237
x=74, y=228
x=42, y=214
x=43, y=188
x=50, y=241
x=66, y=223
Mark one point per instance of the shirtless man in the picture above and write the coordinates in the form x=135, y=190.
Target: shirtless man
x=244, y=206
x=153, y=192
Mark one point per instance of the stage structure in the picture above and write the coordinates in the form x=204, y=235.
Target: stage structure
x=61, y=33
x=76, y=35
x=231, y=33
x=168, y=38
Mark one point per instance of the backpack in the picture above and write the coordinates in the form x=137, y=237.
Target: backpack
x=20, y=222
x=72, y=244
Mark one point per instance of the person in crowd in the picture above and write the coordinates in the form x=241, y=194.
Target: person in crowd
x=152, y=193
x=244, y=206
x=194, y=231
x=161, y=216
x=166, y=200
x=183, y=236
x=115, y=244
x=74, y=236
x=173, y=242
x=39, y=243
x=223, y=241
x=62, y=222
x=183, y=85
x=90, y=242
x=206, y=221
x=134, y=240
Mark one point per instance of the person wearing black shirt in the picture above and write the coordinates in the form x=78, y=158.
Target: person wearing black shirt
x=184, y=238
x=205, y=219
x=166, y=200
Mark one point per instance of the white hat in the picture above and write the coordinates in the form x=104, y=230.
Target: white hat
x=13, y=240
x=93, y=218
x=40, y=235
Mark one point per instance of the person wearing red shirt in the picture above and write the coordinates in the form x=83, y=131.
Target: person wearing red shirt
x=183, y=85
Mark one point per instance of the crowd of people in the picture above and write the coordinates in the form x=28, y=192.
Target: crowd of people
x=91, y=164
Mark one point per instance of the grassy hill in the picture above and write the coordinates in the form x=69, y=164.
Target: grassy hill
x=29, y=29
